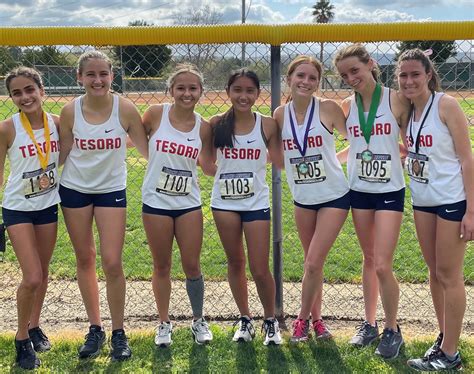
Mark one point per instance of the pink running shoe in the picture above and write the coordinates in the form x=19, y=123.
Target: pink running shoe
x=320, y=330
x=300, y=331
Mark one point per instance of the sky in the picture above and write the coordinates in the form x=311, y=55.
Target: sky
x=165, y=13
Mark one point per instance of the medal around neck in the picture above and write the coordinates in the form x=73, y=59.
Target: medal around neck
x=367, y=125
x=43, y=157
x=302, y=167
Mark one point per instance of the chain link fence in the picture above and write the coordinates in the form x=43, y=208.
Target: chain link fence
x=140, y=75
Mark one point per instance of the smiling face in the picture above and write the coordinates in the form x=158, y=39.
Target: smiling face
x=186, y=90
x=413, y=79
x=26, y=94
x=304, y=80
x=243, y=93
x=96, y=77
x=356, y=73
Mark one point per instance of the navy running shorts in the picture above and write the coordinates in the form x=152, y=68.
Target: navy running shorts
x=378, y=201
x=35, y=217
x=340, y=203
x=450, y=212
x=75, y=199
x=249, y=215
x=173, y=213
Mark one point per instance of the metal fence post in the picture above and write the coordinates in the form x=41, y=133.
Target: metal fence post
x=275, y=73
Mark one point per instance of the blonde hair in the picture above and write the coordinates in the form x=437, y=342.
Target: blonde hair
x=359, y=51
x=90, y=55
x=304, y=59
x=184, y=68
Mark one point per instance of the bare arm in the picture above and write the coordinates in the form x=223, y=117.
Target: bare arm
x=274, y=143
x=452, y=115
x=132, y=123
x=7, y=134
x=66, y=138
x=207, y=157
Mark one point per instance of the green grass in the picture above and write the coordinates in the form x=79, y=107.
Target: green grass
x=343, y=263
x=224, y=356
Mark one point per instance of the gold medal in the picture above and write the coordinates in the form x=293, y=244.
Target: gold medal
x=416, y=167
x=44, y=182
x=43, y=157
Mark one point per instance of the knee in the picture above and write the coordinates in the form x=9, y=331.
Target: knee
x=383, y=271
x=369, y=260
x=260, y=275
x=312, y=269
x=32, y=281
x=162, y=269
x=112, y=268
x=448, y=278
x=86, y=260
x=192, y=271
x=236, y=264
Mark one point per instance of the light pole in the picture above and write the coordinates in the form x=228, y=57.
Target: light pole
x=242, y=60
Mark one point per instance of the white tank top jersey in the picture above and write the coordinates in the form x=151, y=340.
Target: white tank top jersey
x=171, y=179
x=384, y=173
x=23, y=191
x=437, y=177
x=239, y=184
x=325, y=180
x=97, y=161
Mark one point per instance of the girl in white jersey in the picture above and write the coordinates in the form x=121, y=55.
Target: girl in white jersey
x=374, y=114
x=240, y=199
x=441, y=170
x=316, y=180
x=171, y=197
x=29, y=207
x=94, y=130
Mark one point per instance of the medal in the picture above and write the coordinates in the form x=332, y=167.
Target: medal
x=43, y=157
x=415, y=167
x=303, y=168
x=367, y=155
x=367, y=125
x=44, y=182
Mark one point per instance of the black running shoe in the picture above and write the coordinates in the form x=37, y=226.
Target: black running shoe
x=120, y=349
x=39, y=339
x=25, y=355
x=435, y=346
x=365, y=335
x=436, y=361
x=94, y=341
x=390, y=343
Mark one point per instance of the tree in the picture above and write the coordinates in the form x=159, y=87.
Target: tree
x=442, y=50
x=199, y=54
x=143, y=60
x=323, y=13
x=9, y=58
x=46, y=55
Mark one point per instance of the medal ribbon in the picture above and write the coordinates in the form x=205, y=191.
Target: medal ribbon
x=43, y=157
x=367, y=126
x=308, y=124
x=418, y=136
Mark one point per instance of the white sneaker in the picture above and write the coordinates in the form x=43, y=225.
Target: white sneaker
x=163, y=334
x=201, y=332
x=272, y=331
x=245, y=331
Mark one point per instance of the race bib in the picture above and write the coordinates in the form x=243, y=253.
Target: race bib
x=236, y=186
x=377, y=170
x=174, y=182
x=417, y=166
x=40, y=182
x=308, y=169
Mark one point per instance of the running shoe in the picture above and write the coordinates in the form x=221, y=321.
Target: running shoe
x=321, y=331
x=390, y=343
x=95, y=339
x=245, y=331
x=436, y=345
x=271, y=327
x=25, y=355
x=365, y=335
x=436, y=361
x=39, y=339
x=300, y=331
x=163, y=334
x=201, y=332
x=120, y=349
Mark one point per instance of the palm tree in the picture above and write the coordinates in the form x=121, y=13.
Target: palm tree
x=323, y=13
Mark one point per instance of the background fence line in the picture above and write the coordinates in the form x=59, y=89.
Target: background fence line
x=140, y=71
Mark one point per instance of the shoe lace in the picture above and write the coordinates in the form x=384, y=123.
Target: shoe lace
x=269, y=327
x=244, y=324
x=119, y=341
x=38, y=333
x=299, y=327
x=386, y=336
x=362, y=329
x=201, y=327
x=320, y=327
x=92, y=338
x=164, y=329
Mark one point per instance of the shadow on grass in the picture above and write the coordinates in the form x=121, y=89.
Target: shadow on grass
x=246, y=358
x=199, y=359
x=162, y=360
x=399, y=364
x=276, y=360
x=296, y=351
x=327, y=357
